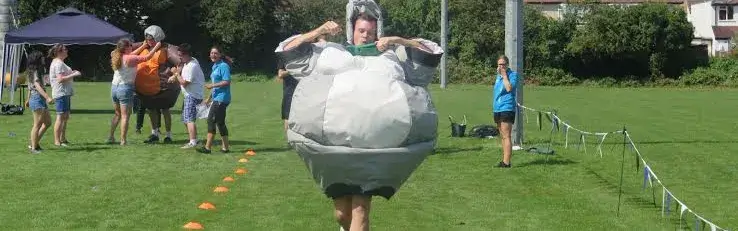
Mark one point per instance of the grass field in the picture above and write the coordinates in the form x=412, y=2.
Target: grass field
x=686, y=135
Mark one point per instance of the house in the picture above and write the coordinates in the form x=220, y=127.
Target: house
x=715, y=21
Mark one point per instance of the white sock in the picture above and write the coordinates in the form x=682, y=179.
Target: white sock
x=193, y=141
x=169, y=134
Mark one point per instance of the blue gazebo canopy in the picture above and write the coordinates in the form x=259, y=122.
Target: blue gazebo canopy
x=68, y=26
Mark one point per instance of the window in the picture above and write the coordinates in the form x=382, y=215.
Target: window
x=725, y=13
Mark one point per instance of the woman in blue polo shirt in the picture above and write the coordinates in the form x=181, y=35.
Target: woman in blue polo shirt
x=220, y=97
x=504, y=106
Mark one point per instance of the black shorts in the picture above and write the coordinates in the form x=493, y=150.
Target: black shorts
x=505, y=116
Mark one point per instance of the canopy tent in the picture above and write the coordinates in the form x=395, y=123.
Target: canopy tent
x=68, y=26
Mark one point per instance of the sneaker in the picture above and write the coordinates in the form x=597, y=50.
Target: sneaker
x=503, y=165
x=203, y=150
x=189, y=145
x=167, y=140
x=110, y=141
x=225, y=150
x=35, y=151
x=152, y=139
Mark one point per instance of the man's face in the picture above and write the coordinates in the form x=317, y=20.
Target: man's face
x=150, y=41
x=364, y=32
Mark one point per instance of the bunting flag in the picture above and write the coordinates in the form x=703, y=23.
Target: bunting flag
x=713, y=227
x=697, y=223
x=538, y=120
x=667, y=203
x=646, y=177
x=682, y=208
x=566, y=135
x=638, y=162
x=663, y=201
x=556, y=122
x=599, y=146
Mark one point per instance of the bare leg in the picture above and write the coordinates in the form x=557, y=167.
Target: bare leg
x=65, y=120
x=167, y=121
x=114, y=122
x=225, y=145
x=125, y=113
x=343, y=211
x=45, y=123
x=37, y=117
x=58, y=129
x=505, y=130
x=360, y=207
x=209, y=141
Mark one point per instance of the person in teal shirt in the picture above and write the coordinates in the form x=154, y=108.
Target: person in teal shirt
x=220, y=98
x=504, y=106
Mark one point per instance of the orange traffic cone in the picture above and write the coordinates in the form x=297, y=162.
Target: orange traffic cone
x=206, y=206
x=193, y=225
x=220, y=189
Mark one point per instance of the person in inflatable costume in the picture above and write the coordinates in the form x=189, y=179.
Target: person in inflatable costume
x=157, y=91
x=361, y=117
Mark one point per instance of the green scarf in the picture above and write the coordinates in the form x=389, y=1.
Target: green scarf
x=364, y=50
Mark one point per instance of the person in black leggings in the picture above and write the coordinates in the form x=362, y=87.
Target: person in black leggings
x=221, y=98
x=288, y=88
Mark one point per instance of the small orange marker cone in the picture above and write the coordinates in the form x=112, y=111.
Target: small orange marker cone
x=241, y=171
x=206, y=206
x=228, y=179
x=250, y=152
x=243, y=160
x=220, y=189
x=193, y=225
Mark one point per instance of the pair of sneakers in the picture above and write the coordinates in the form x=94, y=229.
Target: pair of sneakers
x=36, y=150
x=503, y=165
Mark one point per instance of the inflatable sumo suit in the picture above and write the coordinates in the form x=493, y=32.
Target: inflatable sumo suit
x=362, y=121
x=151, y=76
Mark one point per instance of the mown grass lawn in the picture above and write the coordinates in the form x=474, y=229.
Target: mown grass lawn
x=686, y=135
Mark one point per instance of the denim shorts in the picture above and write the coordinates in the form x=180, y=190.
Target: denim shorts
x=122, y=94
x=189, y=109
x=37, y=102
x=63, y=104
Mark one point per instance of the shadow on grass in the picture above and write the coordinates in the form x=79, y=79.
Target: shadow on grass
x=93, y=111
x=548, y=162
x=688, y=142
x=455, y=150
x=637, y=200
x=85, y=148
x=216, y=141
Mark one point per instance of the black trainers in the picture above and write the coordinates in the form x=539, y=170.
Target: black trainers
x=203, y=150
x=152, y=139
x=503, y=165
x=167, y=140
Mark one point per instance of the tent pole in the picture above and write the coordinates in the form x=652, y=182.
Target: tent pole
x=13, y=51
x=5, y=61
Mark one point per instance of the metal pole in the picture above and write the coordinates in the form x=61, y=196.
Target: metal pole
x=444, y=40
x=514, y=51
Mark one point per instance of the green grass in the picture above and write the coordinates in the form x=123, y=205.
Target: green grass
x=686, y=135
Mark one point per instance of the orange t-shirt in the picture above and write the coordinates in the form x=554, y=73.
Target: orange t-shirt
x=148, y=81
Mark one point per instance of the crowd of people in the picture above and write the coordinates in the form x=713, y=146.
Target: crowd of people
x=147, y=78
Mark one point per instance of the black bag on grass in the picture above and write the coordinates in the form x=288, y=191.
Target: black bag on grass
x=484, y=131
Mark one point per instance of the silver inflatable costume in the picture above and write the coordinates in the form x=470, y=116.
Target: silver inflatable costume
x=362, y=124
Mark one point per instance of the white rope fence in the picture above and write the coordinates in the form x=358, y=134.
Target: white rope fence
x=649, y=175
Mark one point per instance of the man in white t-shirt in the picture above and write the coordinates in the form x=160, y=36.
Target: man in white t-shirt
x=192, y=80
